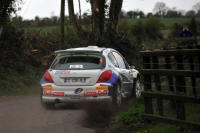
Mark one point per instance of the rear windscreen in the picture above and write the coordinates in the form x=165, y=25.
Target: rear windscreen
x=74, y=61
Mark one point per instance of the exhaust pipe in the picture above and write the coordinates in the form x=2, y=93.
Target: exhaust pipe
x=57, y=100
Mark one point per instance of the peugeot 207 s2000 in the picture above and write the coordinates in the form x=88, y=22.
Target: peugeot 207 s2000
x=89, y=74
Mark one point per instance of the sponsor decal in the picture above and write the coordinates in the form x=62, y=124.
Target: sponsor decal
x=96, y=93
x=102, y=92
x=76, y=66
x=47, y=93
x=78, y=90
x=101, y=88
x=67, y=72
x=48, y=88
x=58, y=93
x=90, y=93
x=51, y=93
x=62, y=72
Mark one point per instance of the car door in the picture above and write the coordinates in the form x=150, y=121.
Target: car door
x=125, y=72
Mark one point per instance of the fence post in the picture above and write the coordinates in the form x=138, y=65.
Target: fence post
x=198, y=47
x=193, y=79
x=180, y=87
x=158, y=85
x=147, y=86
x=168, y=65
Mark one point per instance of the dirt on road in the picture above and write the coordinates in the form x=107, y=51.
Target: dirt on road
x=24, y=114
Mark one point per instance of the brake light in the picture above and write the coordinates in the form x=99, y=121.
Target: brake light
x=48, y=77
x=105, y=76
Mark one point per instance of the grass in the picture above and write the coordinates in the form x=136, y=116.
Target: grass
x=14, y=83
x=166, y=21
x=43, y=29
x=131, y=120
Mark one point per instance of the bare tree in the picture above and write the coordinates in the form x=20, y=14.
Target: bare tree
x=197, y=8
x=62, y=20
x=79, y=4
x=160, y=8
x=114, y=13
x=72, y=17
x=98, y=16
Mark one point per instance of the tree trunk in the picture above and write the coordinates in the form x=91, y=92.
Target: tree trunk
x=79, y=13
x=72, y=17
x=3, y=14
x=98, y=16
x=62, y=19
x=1, y=30
x=114, y=13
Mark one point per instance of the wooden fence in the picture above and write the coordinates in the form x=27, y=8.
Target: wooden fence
x=179, y=70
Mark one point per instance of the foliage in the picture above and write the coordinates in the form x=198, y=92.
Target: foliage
x=16, y=83
x=175, y=29
x=11, y=48
x=129, y=48
x=146, y=30
x=7, y=7
x=193, y=26
x=131, y=119
x=17, y=70
x=124, y=26
x=152, y=28
x=138, y=31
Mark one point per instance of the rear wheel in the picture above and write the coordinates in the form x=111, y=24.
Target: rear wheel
x=136, y=92
x=46, y=105
x=117, y=95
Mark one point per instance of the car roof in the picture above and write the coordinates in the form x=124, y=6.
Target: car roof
x=82, y=49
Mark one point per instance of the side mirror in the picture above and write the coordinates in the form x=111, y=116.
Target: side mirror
x=132, y=67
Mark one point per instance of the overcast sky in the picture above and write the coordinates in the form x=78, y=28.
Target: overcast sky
x=48, y=8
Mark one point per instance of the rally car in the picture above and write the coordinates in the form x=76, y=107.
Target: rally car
x=89, y=74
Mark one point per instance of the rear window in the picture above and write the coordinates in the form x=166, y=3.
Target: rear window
x=74, y=61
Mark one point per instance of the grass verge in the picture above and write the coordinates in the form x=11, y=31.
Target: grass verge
x=14, y=83
x=131, y=121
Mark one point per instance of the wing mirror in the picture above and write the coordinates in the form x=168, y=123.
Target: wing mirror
x=132, y=67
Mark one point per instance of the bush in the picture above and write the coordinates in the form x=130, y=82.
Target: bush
x=124, y=26
x=193, y=26
x=152, y=28
x=138, y=31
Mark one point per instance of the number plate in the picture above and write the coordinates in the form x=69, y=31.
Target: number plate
x=75, y=97
x=74, y=80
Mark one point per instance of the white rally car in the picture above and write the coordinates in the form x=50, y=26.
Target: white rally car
x=89, y=74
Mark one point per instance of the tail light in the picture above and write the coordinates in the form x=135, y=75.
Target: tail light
x=105, y=76
x=48, y=77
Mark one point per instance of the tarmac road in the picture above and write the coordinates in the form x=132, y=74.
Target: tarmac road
x=25, y=115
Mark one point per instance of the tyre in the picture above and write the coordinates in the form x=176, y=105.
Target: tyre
x=117, y=95
x=46, y=105
x=136, y=92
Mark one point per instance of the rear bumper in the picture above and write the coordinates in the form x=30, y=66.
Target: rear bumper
x=72, y=100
